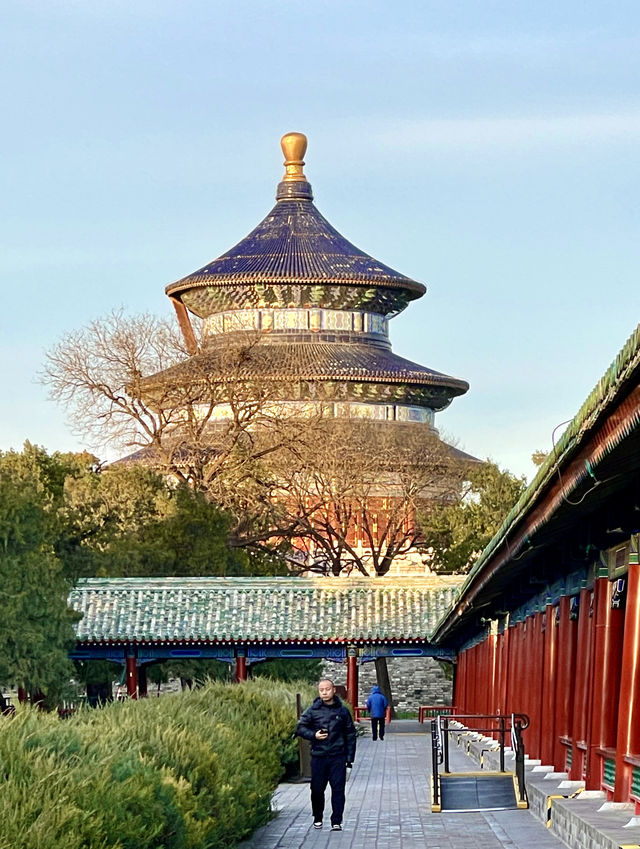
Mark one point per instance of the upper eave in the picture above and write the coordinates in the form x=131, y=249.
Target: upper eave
x=295, y=244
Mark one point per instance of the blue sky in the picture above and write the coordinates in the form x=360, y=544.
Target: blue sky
x=487, y=149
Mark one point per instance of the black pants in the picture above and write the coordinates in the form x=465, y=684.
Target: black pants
x=377, y=727
x=328, y=771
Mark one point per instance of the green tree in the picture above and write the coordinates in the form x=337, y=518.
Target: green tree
x=125, y=521
x=454, y=535
x=65, y=517
x=35, y=623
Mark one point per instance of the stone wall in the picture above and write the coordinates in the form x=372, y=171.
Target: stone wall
x=415, y=681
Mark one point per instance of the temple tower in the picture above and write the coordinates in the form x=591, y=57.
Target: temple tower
x=320, y=310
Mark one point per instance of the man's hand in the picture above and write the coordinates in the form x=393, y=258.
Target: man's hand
x=322, y=734
x=348, y=772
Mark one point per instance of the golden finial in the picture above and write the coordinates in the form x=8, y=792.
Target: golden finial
x=294, y=146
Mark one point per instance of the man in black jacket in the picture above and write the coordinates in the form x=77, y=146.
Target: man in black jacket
x=327, y=724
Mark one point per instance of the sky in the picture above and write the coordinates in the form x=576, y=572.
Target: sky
x=486, y=149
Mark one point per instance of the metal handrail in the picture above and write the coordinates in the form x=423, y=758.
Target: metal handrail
x=514, y=724
x=436, y=758
x=520, y=718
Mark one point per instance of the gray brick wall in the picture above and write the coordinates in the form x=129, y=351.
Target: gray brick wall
x=415, y=681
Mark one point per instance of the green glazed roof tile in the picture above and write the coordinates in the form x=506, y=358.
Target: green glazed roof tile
x=259, y=609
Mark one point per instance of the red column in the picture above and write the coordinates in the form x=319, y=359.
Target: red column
x=479, y=678
x=628, y=737
x=483, y=677
x=581, y=684
x=504, y=671
x=497, y=689
x=533, y=659
x=241, y=668
x=494, y=668
x=607, y=657
x=459, y=696
x=131, y=674
x=352, y=676
x=564, y=679
x=521, y=695
x=548, y=700
x=512, y=682
x=474, y=679
x=514, y=701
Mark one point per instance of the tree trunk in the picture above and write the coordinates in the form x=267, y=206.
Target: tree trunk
x=382, y=678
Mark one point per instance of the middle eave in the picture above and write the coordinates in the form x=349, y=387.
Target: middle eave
x=311, y=361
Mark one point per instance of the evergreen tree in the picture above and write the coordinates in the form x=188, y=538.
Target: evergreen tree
x=35, y=623
x=454, y=535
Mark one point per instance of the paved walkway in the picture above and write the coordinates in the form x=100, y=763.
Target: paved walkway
x=389, y=807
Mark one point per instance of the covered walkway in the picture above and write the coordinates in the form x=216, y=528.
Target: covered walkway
x=389, y=807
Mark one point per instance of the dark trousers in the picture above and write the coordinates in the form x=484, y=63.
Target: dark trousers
x=330, y=771
x=377, y=727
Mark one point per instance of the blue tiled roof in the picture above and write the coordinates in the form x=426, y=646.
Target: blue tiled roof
x=267, y=610
x=317, y=361
x=295, y=243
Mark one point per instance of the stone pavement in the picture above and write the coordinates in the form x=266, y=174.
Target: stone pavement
x=389, y=806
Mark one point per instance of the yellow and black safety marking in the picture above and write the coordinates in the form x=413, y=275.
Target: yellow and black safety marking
x=522, y=803
x=564, y=796
x=436, y=808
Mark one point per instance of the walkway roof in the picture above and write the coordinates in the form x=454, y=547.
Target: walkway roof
x=260, y=610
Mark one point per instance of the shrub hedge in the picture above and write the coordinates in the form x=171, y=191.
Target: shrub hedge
x=193, y=770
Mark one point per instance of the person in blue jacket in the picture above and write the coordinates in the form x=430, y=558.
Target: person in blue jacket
x=327, y=724
x=377, y=705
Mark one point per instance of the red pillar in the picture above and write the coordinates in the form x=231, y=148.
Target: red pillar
x=501, y=704
x=474, y=680
x=533, y=660
x=241, y=668
x=607, y=656
x=352, y=676
x=493, y=650
x=548, y=700
x=521, y=695
x=514, y=701
x=483, y=676
x=459, y=696
x=512, y=669
x=497, y=688
x=131, y=674
x=567, y=632
x=581, y=684
x=628, y=736
x=478, y=678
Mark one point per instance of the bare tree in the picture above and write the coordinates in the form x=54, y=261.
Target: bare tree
x=345, y=492
x=206, y=418
x=356, y=493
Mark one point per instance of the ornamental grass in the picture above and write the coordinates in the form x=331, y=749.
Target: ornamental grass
x=192, y=770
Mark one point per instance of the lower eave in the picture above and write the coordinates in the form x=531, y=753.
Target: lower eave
x=252, y=642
